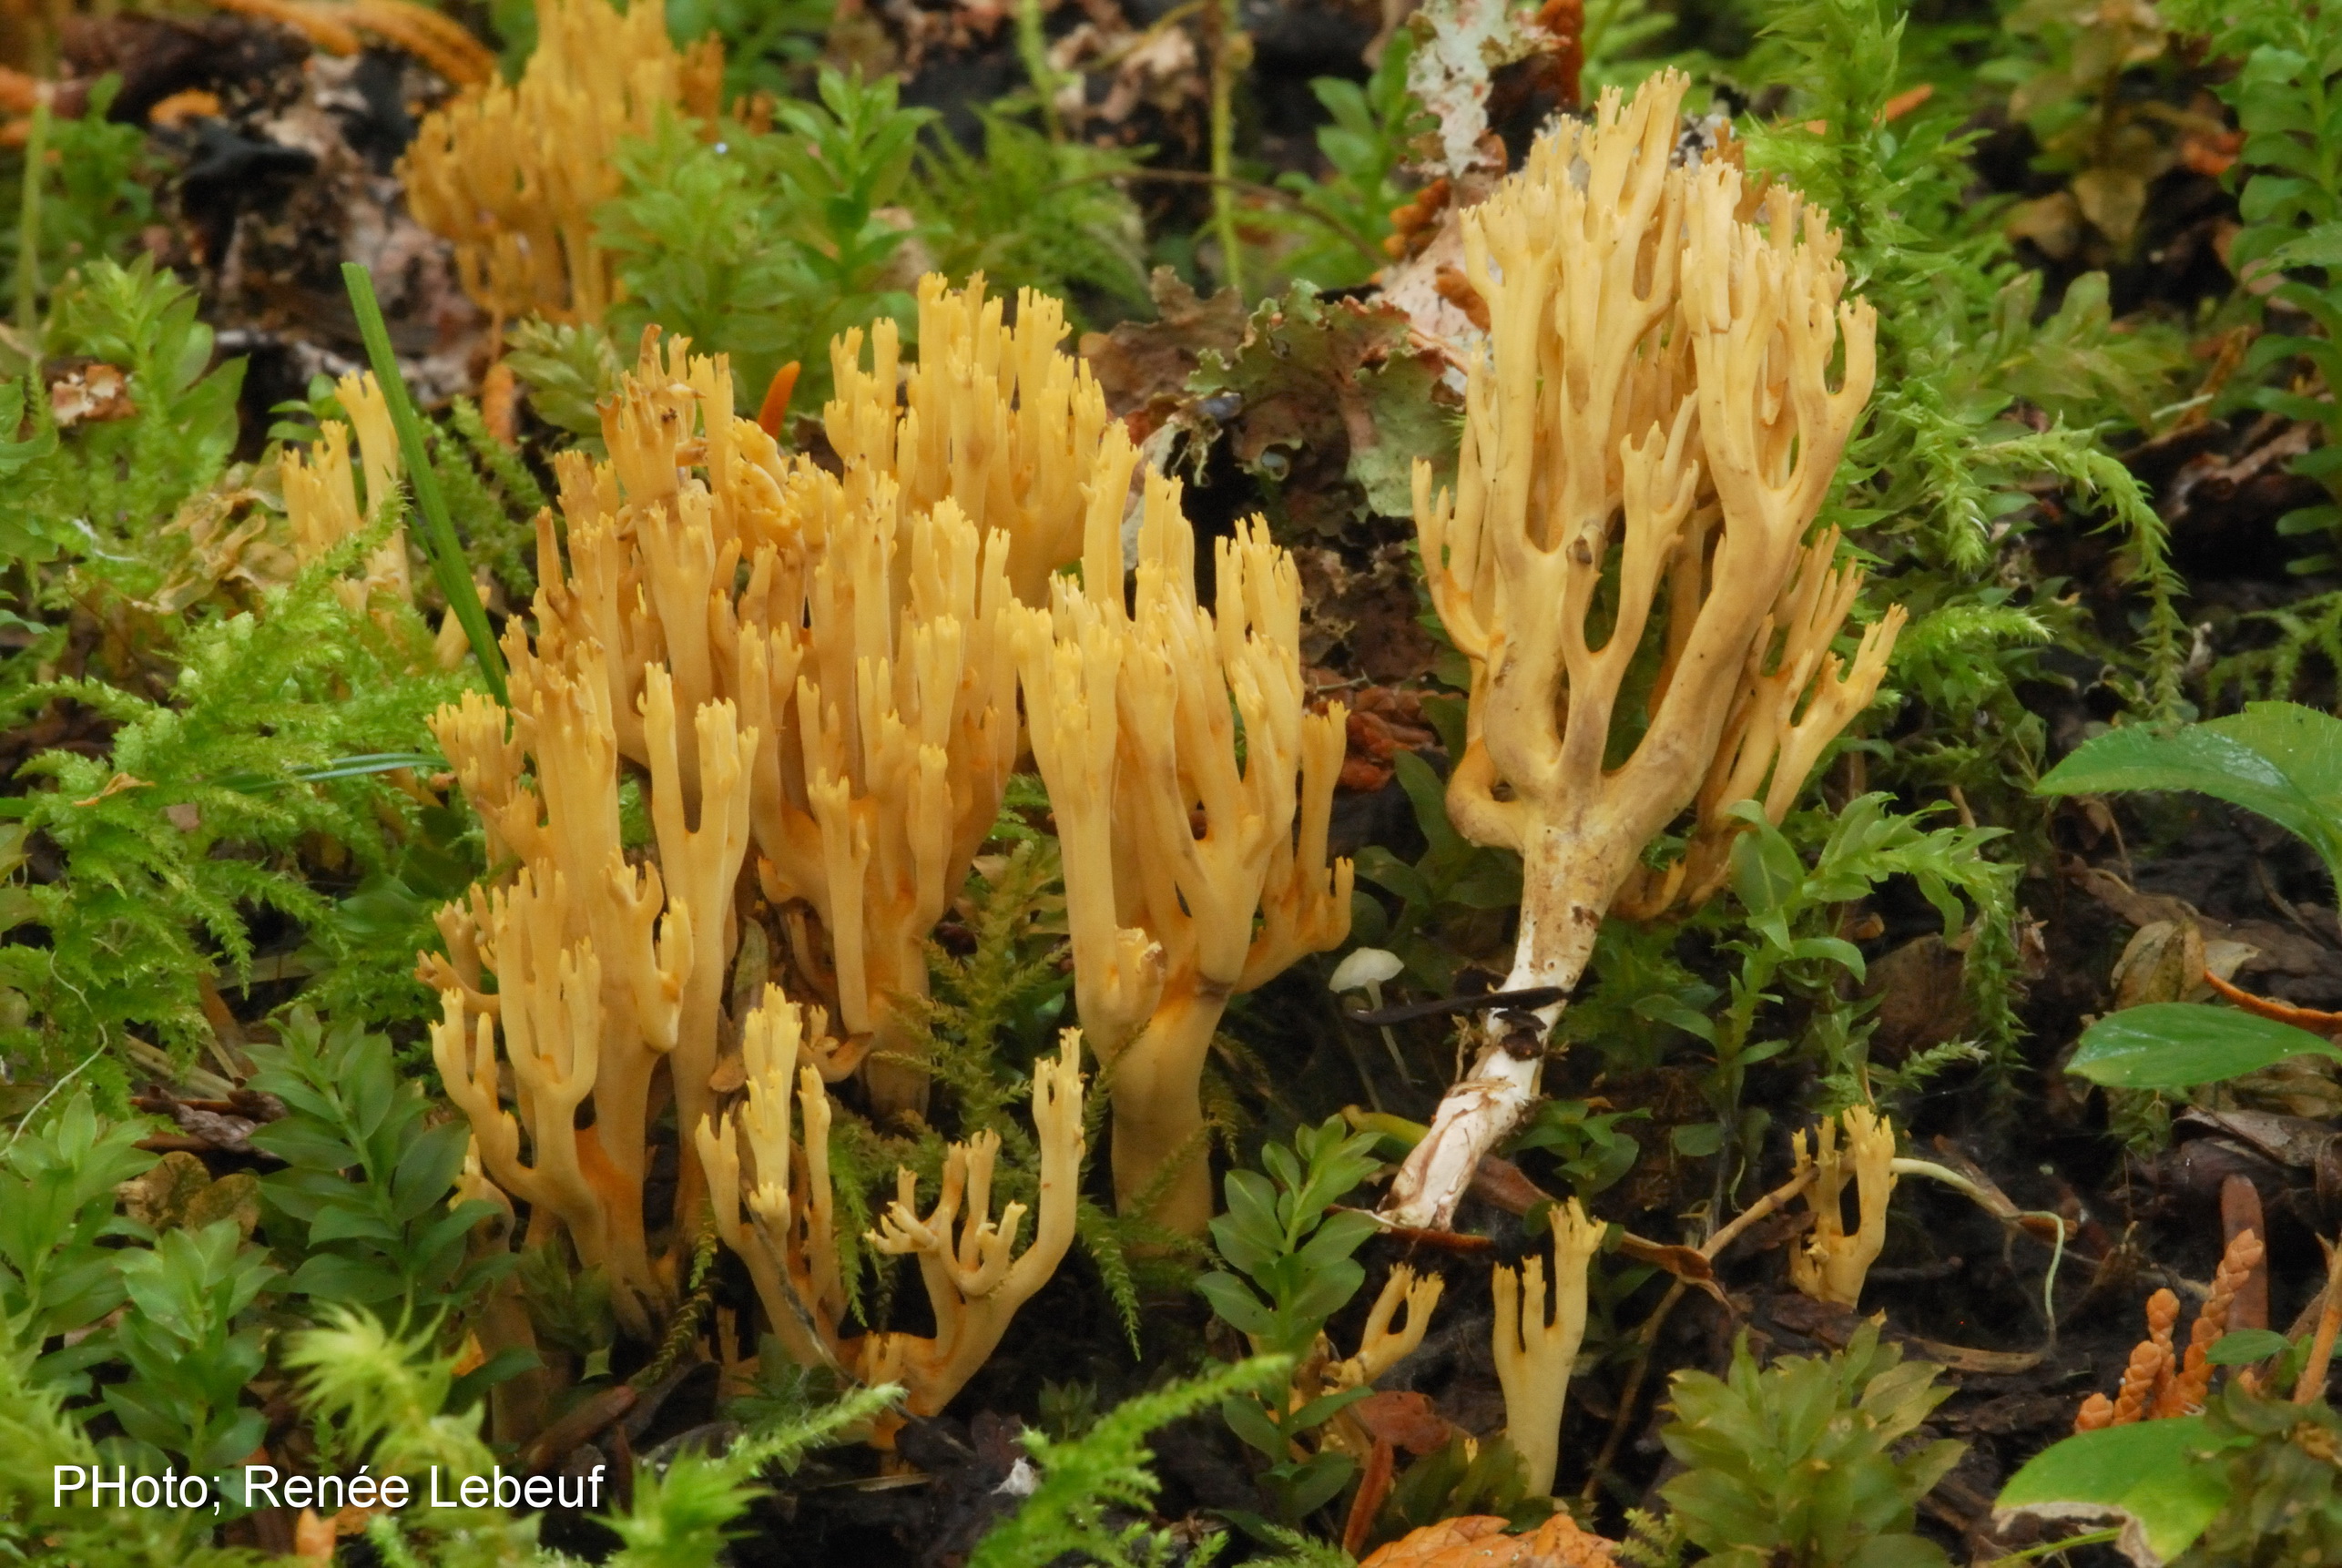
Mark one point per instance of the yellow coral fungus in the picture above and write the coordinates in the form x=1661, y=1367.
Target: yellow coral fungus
x=858, y=617
x=513, y=175
x=1194, y=871
x=1649, y=433
x=322, y=495
x=1535, y=1357
x=1831, y=1263
x=606, y=971
x=773, y=1207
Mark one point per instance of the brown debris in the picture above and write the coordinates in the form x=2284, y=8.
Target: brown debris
x=1143, y=366
x=1480, y=1542
x=1382, y=723
x=90, y=390
x=1413, y=223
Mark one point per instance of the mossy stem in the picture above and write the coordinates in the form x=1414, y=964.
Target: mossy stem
x=1231, y=50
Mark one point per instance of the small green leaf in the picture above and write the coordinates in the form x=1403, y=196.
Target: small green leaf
x=1765, y=870
x=2152, y=1474
x=1248, y=1420
x=2279, y=759
x=2179, y=1044
x=1696, y=1140
x=2243, y=1346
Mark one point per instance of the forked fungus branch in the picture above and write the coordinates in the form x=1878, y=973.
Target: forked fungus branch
x=773, y=1206
x=1650, y=433
x=1192, y=791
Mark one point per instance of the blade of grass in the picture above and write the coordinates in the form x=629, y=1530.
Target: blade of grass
x=446, y=550
x=28, y=230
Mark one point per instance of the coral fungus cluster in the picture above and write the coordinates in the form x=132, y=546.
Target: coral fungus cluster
x=513, y=175
x=1652, y=428
x=816, y=672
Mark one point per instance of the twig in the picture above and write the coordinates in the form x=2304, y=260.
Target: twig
x=1715, y=1245
x=1647, y=1336
x=2311, y=1385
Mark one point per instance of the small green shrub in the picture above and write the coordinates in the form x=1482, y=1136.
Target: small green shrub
x=766, y=247
x=1795, y=1466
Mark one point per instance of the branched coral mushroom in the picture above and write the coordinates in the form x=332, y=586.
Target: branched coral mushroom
x=322, y=494
x=797, y=658
x=1192, y=792
x=1535, y=1357
x=512, y=174
x=603, y=967
x=1624, y=563
x=773, y=1206
x=1831, y=1265
x=858, y=618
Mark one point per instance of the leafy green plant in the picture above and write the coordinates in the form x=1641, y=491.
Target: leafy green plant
x=568, y=370
x=393, y=1400
x=189, y=1347
x=1587, y=1147
x=2284, y=1487
x=766, y=42
x=40, y=1530
x=1031, y=213
x=1796, y=1465
x=1292, y=1269
x=1341, y=219
x=2173, y=1045
x=368, y=1176
x=58, y=1177
x=98, y=191
x=386, y=1399
x=99, y=490
x=1942, y=464
x=766, y=247
x=251, y=751
x=1085, y=1479
x=2151, y=1472
x=2251, y=1483
x=1452, y=883
x=2287, y=96
x=2278, y=759
x=1787, y=945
